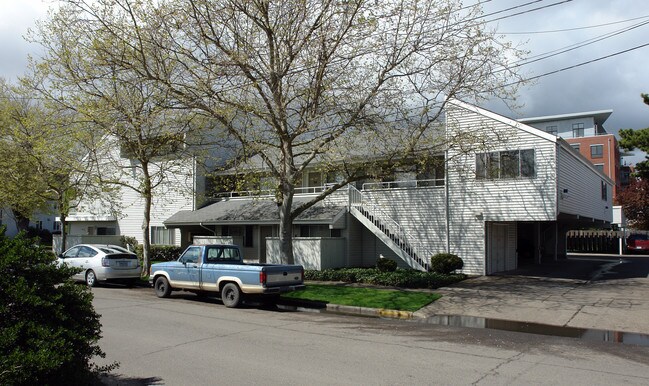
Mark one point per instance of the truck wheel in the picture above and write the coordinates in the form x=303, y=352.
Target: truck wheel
x=91, y=278
x=230, y=295
x=162, y=287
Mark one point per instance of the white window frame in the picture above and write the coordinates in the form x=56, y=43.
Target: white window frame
x=161, y=235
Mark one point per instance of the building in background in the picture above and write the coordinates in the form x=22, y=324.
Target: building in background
x=585, y=133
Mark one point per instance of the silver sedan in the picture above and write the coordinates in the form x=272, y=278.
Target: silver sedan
x=102, y=263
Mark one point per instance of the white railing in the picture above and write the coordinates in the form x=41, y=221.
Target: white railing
x=406, y=241
x=403, y=184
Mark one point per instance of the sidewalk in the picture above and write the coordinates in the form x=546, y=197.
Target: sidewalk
x=573, y=293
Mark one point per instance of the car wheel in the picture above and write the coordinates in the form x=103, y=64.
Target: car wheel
x=91, y=278
x=162, y=287
x=231, y=295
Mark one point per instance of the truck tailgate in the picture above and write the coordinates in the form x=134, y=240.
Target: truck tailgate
x=283, y=276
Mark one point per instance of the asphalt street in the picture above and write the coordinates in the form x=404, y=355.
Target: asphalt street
x=188, y=340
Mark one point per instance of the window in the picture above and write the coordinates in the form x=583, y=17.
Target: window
x=336, y=233
x=190, y=255
x=247, y=237
x=163, y=236
x=577, y=130
x=528, y=166
x=604, y=191
x=551, y=130
x=222, y=254
x=599, y=167
x=106, y=231
x=39, y=225
x=576, y=146
x=505, y=164
x=86, y=252
x=596, y=151
x=314, y=180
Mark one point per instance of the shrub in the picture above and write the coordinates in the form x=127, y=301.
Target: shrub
x=127, y=241
x=48, y=327
x=445, y=263
x=404, y=278
x=160, y=252
x=386, y=265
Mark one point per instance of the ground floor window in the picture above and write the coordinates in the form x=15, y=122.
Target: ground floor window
x=106, y=231
x=162, y=236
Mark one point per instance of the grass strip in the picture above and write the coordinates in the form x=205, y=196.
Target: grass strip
x=365, y=297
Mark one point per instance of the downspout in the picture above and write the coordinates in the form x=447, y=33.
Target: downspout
x=206, y=228
x=556, y=221
x=194, y=183
x=447, y=203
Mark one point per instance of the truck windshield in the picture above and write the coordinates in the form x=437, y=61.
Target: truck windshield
x=222, y=253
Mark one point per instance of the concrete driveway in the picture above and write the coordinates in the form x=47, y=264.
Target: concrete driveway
x=600, y=292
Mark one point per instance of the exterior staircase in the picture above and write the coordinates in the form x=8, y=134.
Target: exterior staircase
x=401, y=242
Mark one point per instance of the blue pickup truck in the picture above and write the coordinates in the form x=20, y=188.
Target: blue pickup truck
x=220, y=269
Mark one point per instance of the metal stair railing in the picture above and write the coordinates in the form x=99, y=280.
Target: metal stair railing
x=391, y=228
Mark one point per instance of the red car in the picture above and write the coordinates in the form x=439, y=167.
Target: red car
x=638, y=243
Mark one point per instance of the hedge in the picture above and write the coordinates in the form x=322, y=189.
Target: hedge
x=404, y=278
x=160, y=252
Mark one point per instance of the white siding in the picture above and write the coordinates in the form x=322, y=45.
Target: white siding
x=421, y=212
x=580, y=188
x=476, y=201
x=173, y=194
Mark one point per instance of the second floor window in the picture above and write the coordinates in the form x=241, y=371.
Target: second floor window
x=577, y=130
x=596, y=151
x=551, y=130
x=505, y=164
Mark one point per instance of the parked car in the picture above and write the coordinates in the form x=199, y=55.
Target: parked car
x=637, y=243
x=220, y=269
x=102, y=263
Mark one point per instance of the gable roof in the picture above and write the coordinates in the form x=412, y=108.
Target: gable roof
x=504, y=120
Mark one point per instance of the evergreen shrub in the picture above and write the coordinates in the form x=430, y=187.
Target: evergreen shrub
x=49, y=329
x=445, y=263
x=386, y=265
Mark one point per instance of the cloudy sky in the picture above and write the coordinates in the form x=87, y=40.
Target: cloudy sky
x=611, y=27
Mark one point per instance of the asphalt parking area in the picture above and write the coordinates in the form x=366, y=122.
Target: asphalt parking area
x=608, y=294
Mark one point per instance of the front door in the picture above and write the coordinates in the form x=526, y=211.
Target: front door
x=264, y=231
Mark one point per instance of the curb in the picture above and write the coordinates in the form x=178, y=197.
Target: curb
x=350, y=310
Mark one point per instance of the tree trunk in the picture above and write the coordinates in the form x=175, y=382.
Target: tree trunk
x=64, y=235
x=146, y=245
x=286, y=228
x=22, y=221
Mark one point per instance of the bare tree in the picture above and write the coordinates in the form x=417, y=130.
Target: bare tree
x=141, y=136
x=311, y=83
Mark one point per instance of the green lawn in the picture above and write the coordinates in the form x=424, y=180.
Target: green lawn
x=365, y=297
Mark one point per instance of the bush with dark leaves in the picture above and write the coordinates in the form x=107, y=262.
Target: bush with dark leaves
x=403, y=278
x=48, y=327
x=445, y=263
